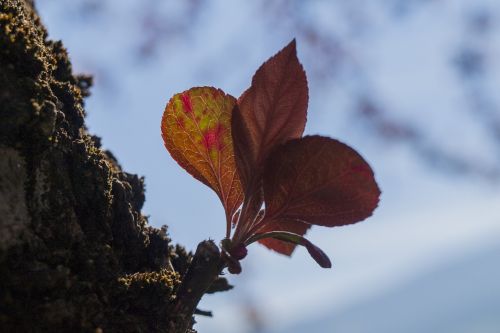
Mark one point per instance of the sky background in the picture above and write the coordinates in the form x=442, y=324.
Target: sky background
x=428, y=258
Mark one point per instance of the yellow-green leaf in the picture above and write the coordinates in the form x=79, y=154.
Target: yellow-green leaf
x=196, y=129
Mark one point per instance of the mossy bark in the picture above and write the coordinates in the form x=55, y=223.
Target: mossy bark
x=76, y=254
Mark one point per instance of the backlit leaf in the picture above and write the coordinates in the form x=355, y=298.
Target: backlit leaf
x=318, y=180
x=196, y=129
x=316, y=253
x=272, y=111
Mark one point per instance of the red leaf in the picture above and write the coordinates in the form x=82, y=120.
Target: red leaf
x=279, y=246
x=318, y=180
x=272, y=111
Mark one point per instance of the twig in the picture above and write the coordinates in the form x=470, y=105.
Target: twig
x=203, y=271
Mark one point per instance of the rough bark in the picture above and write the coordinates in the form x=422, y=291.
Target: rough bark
x=76, y=254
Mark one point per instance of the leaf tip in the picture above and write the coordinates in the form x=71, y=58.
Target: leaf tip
x=318, y=255
x=291, y=48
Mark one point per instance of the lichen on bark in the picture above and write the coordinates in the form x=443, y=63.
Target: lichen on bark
x=76, y=254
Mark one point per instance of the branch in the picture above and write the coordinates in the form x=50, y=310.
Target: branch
x=203, y=271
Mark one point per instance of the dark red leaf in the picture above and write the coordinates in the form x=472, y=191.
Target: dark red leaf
x=272, y=111
x=318, y=180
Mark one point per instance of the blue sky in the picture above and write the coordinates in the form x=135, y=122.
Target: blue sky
x=426, y=217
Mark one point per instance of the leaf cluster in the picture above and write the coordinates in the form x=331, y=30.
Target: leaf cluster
x=274, y=183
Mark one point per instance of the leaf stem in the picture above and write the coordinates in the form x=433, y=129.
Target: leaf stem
x=238, y=233
x=256, y=227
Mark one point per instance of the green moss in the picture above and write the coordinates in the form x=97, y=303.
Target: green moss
x=73, y=268
x=146, y=295
x=25, y=40
x=26, y=102
x=164, y=280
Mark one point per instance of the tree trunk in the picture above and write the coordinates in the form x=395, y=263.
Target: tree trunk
x=76, y=254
